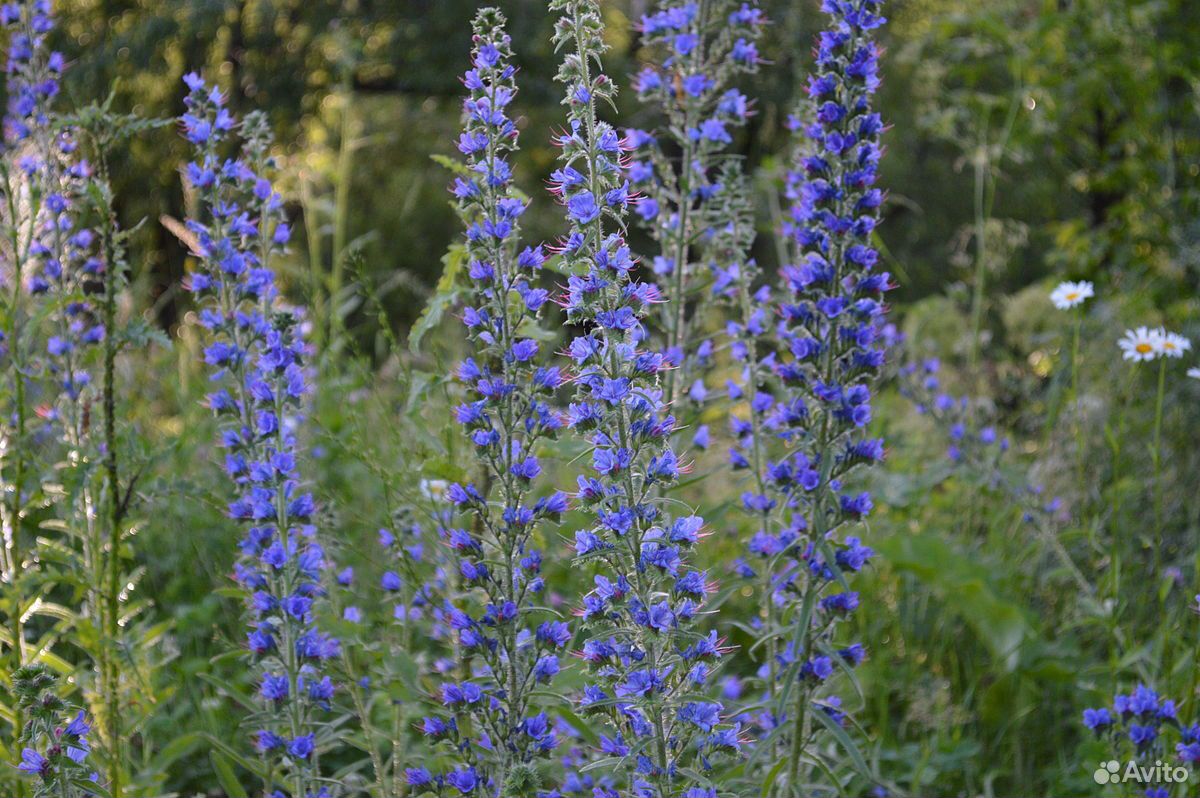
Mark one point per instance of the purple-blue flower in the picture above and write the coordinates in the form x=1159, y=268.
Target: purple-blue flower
x=509, y=412
x=803, y=395
x=686, y=202
x=646, y=597
x=257, y=353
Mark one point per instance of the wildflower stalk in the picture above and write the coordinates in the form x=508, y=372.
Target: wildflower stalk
x=72, y=272
x=756, y=377
x=982, y=214
x=831, y=345
x=32, y=74
x=71, y=263
x=55, y=257
x=500, y=731
x=648, y=665
x=111, y=674
x=103, y=129
x=980, y=450
x=1143, y=345
x=737, y=280
x=701, y=49
x=983, y=202
x=257, y=353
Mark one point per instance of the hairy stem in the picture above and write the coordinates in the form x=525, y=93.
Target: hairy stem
x=112, y=473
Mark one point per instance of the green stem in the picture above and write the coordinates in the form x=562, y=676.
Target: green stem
x=675, y=382
x=985, y=199
x=977, y=292
x=398, y=787
x=1156, y=455
x=758, y=463
x=364, y=720
x=14, y=558
x=341, y=218
x=312, y=237
x=802, y=634
x=678, y=283
x=1076, y=410
x=800, y=710
x=115, y=509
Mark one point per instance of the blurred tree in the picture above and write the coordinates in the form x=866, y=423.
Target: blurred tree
x=1101, y=159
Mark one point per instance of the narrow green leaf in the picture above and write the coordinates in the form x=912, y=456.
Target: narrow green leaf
x=771, y=777
x=226, y=777
x=844, y=740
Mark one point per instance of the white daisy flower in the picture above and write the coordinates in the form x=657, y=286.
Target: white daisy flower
x=1172, y=344
x=434, y=488
x=1140, y=345
x=1069, y=295
x=1194, y=372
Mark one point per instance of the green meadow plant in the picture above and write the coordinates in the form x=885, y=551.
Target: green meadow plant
x=496, y=555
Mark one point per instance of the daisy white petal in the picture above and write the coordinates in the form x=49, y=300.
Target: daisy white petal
x=1140, y=345
x=1172, y=344
x=1068, y=295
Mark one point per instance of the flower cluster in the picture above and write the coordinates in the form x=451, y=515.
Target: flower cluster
x=388, y=605
x=255, y=351
x=974, y=443
x=69, y=269
x=755, y=420
x=1144, y=344
x=832, y=344
x=700, y=50
x=411, y=577
x=66, y=265
x=1138, y=723
x=649, y=666
x=32, y=70
x=753, y=348
x=55, y=751
x=971, y=441
x=33, y=170
x=496, y=724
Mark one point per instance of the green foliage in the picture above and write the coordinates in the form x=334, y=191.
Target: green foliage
x=1032, y=140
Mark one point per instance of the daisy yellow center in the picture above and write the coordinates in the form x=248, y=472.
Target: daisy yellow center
x=1143, y=348
x=1168, y=344
x=1072, y=296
